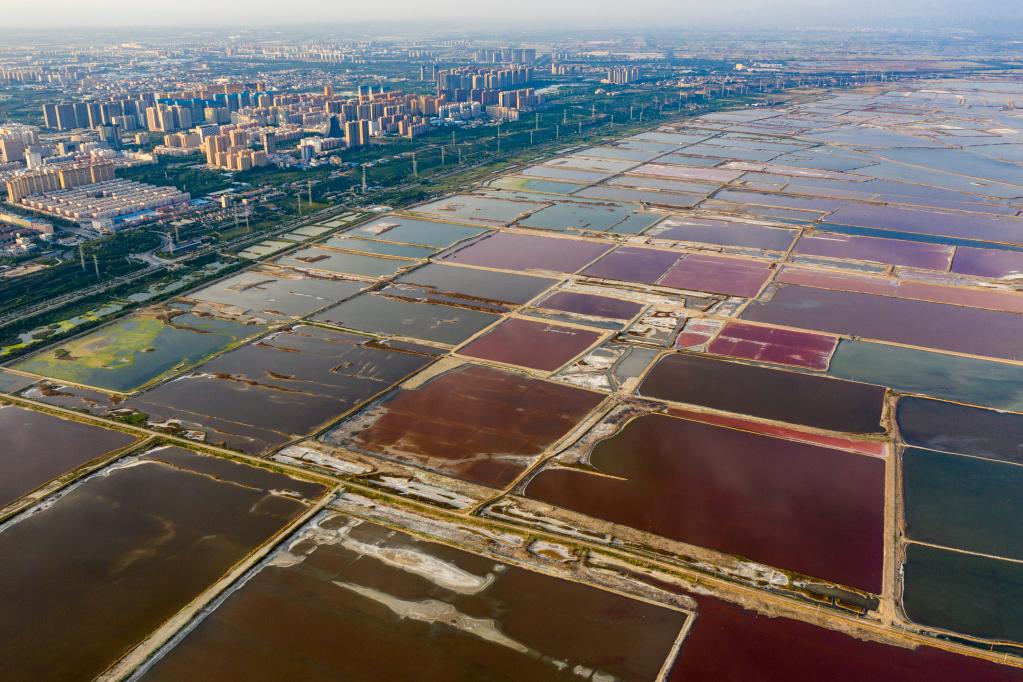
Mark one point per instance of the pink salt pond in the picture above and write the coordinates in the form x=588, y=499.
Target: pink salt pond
x=729, y=276
x=509, y=251
x=537, y=345
x=768, y=344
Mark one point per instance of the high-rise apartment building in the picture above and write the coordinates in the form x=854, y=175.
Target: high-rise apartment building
x=160, y=118
x=50, y=116
x=269, y=142
x=50, y=179
x=11, y=149
x=621, y=75
x=357, y=132
x=66, y=117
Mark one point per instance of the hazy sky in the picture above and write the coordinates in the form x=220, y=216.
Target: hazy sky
x=996, y=14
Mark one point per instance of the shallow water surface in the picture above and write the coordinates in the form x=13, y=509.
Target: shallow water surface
x=790, y=505
x=89, y=577
x=358, y=601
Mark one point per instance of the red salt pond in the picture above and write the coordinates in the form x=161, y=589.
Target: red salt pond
x=730, y=644
x=696, y=332
x=39, y=447
x=90, y=574
x=874, y=448
x=795, y=506
x=474, y=423
x=363, y=603
x=876, y=249
x=730, y=276
x=526, y=343
x=782, y=346
x=509, y=251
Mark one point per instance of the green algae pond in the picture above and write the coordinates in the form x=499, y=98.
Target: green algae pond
x=138, y=350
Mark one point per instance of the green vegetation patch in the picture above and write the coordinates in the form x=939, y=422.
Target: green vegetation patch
x=138, y=350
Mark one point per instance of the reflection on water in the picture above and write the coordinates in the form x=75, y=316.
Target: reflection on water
x=88, y=577
x=352, y=600
x=790, y=505
x=778, y=394
x=266, y=393
x=38, y=447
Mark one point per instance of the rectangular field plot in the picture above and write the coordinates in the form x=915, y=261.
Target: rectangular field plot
x=91, y=575
x=281, y=387
x=963, y=502
x=275, y=294
x=988, y=263
x=474, y=423
x=263, y=249
x=527, y=343
x=729, y=276
x=317, y=258
x=724, y=233
x=591, y=216
x=730, y=643
x=539, y=185
x=908, y=289
x=39, y=447
x=375, y=314
x=971, y=431
x=967, y=593
x=971, y=380
x=885, y=318
x=790, y=505
x=631, y=264
x=656, y=198
x=352, y=600
x=592, y=162
x=1007, y=230
x=876, y=250
x=675, y=172
x=410, y=231
x=12, y=382
x=591, y=305
x=767, y=344
x=648, y=182
x=778, y=201
x=617, y=151
x=580, y=177
x=479, y=209
x=522, y=252
x=381, y=248
x=471, y=287
x=767, y=393
x=139, y=349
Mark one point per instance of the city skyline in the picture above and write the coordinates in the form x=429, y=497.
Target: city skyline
x=766, y=14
